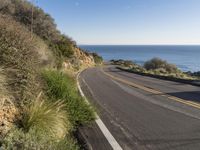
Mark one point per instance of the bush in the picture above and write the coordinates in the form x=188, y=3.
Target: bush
x=17, y=139
x=97, y=59
x=47, y=117
x=65, y=47
x=157, y=63
x=155, y=66
x=194, y=74
x=61, y=86
x=41, y=23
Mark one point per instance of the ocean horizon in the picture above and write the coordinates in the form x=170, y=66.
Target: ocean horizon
x=185, y=57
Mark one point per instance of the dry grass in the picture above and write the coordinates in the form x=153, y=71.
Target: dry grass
x=8, y=110
x=2, y=82
x=22, y=57
x=47, y=117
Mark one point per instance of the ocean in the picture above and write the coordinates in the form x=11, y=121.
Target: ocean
x=187, y=58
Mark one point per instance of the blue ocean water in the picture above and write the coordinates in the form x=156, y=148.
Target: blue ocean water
x=187, y=58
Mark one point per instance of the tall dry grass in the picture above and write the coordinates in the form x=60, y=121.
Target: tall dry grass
x=21, y=57
x=47, y=117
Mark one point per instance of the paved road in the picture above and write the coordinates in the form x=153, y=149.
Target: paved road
x=143, y=112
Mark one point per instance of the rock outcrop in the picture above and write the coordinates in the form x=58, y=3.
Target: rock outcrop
x=79, y=61
x=8, y=115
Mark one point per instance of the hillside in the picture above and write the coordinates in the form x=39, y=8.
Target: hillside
x=40, y=106
x=42, y=24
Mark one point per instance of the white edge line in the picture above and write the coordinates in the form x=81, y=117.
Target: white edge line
x=114, y=144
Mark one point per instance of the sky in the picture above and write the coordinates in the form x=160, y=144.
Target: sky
x=126, y=22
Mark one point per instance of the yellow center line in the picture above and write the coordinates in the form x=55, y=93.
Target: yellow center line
x=180, y=100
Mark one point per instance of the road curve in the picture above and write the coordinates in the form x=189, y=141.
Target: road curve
x=140, y=118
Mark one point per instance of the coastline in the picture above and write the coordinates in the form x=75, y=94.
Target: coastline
x=191, y=82
x=184, y=56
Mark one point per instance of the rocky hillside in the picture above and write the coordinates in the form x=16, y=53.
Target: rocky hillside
x=37, y=97
x=42, y=24
x=79, y=61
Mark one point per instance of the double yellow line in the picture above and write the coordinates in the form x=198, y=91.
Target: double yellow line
x=153, y=91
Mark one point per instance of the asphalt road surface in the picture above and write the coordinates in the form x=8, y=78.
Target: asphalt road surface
x=142, y=112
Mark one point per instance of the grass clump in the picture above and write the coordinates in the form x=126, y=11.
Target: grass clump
x=63, y=87
x=58, y=84
x=47, y=117
x=45, y=126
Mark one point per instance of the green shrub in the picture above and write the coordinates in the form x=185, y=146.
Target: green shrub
x=157, y=63
x=65, y=47
x=17, y=139
x=41, y=23
x=61, y=86
x=47, y=117
x=155, y=66
x=20, y=140
x=97, y=59
x=67, y=143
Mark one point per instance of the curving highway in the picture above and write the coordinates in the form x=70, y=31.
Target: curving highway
x=142, y=112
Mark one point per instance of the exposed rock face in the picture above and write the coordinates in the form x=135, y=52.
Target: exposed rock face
x=8, y=115
x=85, y=59
x=79, y=61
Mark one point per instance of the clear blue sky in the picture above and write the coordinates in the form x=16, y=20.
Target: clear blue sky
x=127, y=21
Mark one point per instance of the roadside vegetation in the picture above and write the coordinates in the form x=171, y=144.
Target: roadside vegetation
x=97, y=59
x=40, y=107
x=194, y=74
x=155, y=66
x=61, y=86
